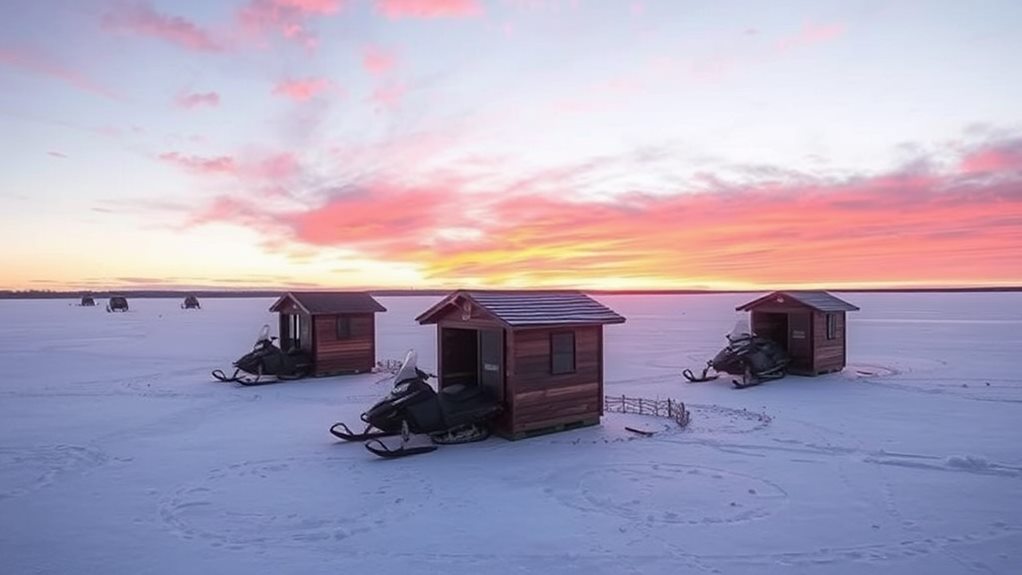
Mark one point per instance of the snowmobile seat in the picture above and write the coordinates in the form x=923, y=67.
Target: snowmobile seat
x=459, y=392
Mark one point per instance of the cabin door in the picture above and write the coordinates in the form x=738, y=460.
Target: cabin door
x=800, y=341
x=491, y=361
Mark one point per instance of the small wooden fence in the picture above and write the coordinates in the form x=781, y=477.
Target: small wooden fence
x=670, y=408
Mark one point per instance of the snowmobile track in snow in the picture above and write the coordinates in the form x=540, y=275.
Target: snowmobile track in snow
x=287, y=509
x=652, y=493
x=24, y=470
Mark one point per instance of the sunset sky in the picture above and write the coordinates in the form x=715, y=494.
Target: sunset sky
x=510, y=143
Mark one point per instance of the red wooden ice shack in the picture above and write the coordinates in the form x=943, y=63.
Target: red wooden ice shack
x=809, y=324
x=338, y=329
x=541, y=353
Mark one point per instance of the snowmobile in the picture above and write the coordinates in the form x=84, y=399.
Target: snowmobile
x=117, y=303
x=266, y=359
x=413, y=418
x=756, y=359
x=191, y=302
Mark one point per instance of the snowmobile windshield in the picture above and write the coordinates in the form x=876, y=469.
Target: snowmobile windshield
x=407, y=370
x=264, y=334
x=741, y=331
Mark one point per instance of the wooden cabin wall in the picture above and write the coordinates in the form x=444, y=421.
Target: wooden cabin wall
x=829, y=353
x=355, y=354
x=539, y=399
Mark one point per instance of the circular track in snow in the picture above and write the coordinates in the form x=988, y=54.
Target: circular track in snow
x=654, y=493
x=280, y=502
x=23, y=470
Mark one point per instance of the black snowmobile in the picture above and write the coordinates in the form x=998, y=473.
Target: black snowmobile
x=756, y=359
x=191, y=302
x=417, y=419
x=267, y=361
x=117, y=303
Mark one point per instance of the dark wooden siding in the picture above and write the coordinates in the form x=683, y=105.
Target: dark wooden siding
x=829, y=353
x=354, y=354
x=539, y=399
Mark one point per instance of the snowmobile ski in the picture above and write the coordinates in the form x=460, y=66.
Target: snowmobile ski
x=381, y=449
x=743, y=385
x=342, y=431
x=691, y=377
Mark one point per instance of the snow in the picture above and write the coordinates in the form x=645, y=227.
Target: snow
x=119, y=454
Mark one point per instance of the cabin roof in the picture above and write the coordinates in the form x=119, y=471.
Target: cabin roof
x=317, y=303
x=529, y=308
x=817, y=300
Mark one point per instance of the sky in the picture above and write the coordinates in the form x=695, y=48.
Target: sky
x=603, y=144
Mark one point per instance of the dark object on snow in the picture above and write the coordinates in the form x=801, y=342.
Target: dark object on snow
x=191, y=302
x=336, y=329
x=754, y=358
x=641, y=432
x=539, y=353
x=267, y=363
x=87, y=301
x=421, y=417
x=117, y=303
x=808, y=325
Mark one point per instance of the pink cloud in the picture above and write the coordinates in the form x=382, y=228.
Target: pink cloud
x=143, y=20
x=195, y=100
x=811, y=34
x=201, y=165
x=1006, y=157
x=278, y=167
x=888, y=228
x=428, y=9
x=303, y=89
x=388, y=95
x=375, y=60
x=40, y=64
x=288, y=19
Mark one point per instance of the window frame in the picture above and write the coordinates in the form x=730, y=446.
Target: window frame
x=347, y=332
x=556, y=336
x=831, y=325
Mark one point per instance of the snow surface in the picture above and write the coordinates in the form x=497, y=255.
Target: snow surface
x=119, y=454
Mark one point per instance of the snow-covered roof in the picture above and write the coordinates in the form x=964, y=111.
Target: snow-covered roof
x=314, y=303
x=529, y=308
x=818, y=300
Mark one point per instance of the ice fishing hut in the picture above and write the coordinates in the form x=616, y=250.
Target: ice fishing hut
x=88, y=301
x=540, y=353
x=338, y=329
x=809, y=324
x=191, y=302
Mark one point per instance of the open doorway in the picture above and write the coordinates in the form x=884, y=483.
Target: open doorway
x=473, y=357
x=773, y=326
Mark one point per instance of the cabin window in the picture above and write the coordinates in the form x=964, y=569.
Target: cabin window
x=562, y=352
x=831, y=326
x=343, y=327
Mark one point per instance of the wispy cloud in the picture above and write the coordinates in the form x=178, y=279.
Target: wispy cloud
x=302, y=89
x=397, y=9
x=57, y=154
x=190, y=100
x=287, y=19
x=201, y=165
x=143, y=20
x=376, y=60
x=40, y=64
x=811, y=33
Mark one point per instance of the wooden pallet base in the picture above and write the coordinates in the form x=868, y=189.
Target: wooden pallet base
x=553, y=429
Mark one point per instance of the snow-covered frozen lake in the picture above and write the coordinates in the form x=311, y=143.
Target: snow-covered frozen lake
x=119, y=454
